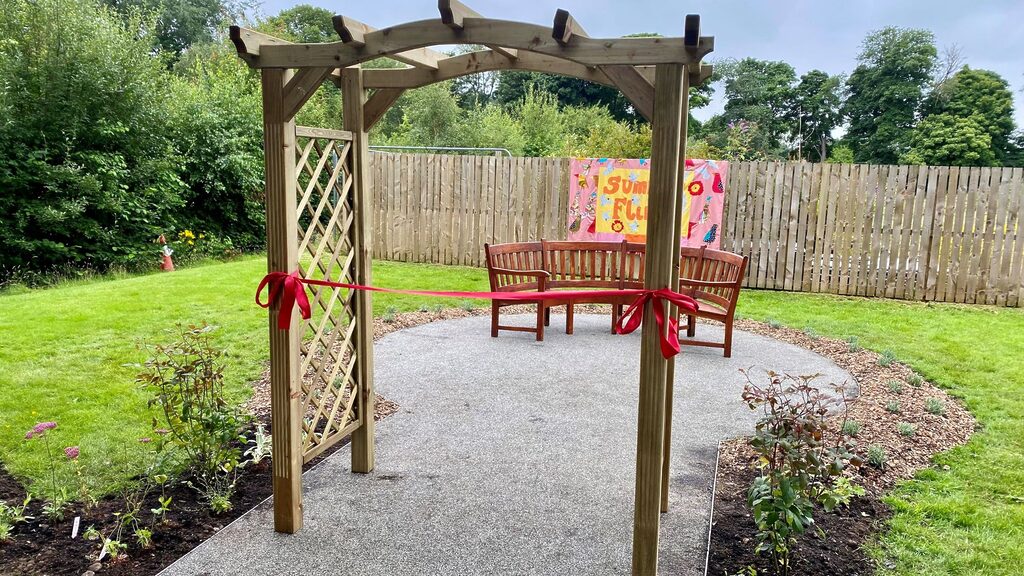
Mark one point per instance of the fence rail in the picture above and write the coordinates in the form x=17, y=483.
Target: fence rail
x=936, y=233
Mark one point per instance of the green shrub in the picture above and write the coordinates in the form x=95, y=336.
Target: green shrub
x=906, y=429
x=773, y=323
x=915, y=380
x=853, y=345
x=876, y=456
x=892, y=407
x=895, y=386
x=186, y=381
x=851, y=428
x=935, y=406
x=887, y=358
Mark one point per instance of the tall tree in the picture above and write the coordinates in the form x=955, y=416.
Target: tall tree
x=302, y=23
x=814, y=112
x=950, y=140
x=984, y=97
x=182, y=23
x=886, y=90
x=759, y=92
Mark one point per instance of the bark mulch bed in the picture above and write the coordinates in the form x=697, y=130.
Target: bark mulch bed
x=841, y=550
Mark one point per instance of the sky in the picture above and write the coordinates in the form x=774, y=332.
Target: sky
x=821, y=34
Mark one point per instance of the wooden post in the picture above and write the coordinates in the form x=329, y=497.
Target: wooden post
x=353, y=100
x=681, y=196
x=664, y=187
x=282, y=256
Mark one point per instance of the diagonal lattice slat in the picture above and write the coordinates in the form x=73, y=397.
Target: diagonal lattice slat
x=330, y=402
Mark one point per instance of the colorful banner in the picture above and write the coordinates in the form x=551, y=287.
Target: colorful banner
x=608, y=200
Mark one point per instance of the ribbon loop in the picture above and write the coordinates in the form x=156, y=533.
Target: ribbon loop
x=287, y=290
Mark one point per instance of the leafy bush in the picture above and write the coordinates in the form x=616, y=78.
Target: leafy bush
x=853, y=345
x=851, y=428
x=892, y=406
x=895, y=386
x=876, y=456
x=935, y=406
x=11, y=516
x=915, y=380
x=905, y=429
x=887, y=358
x=187, y=383
x=800, y=457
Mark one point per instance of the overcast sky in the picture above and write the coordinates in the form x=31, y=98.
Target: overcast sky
x=822, y=34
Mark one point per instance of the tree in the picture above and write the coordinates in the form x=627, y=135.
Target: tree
x=950, y=140
x=982, y=96
x=302, y=23
x=758, y=92
x=182, y=23
x=885, y=92
x=813, y=113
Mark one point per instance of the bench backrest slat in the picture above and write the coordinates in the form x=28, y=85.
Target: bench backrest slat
x=525, y=256
x=582, y=264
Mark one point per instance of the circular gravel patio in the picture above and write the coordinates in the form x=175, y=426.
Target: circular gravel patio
x=510, y=456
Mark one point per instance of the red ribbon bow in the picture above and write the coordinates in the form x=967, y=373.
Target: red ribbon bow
x=289, y=290
x=633, y=316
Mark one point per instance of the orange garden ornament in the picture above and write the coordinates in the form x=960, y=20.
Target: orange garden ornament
x=167, y=265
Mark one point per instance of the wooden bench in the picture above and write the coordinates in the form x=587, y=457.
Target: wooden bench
x=712, y=277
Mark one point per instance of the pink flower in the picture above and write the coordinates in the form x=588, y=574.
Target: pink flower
x=162, y=431
x=71, y=452
x=145, y=440
x=40, y=429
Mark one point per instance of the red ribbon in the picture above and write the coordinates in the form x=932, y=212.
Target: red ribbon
x=287, y=289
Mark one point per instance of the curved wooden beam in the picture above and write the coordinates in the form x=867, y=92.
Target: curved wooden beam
x=354, y=32
x=453, y=13
x=482, y=61
x=515, y=35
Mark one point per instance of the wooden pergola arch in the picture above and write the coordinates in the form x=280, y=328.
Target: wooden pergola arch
x=318, y=208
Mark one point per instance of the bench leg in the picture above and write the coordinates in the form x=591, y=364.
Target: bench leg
x=568, y=318
x=547, y=316
x=691, y=326
x=494, y=319
x=616, y=312
x=728, y=338
x=540, y=322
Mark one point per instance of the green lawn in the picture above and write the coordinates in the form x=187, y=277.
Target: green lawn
x=969, y=519
x=64, y=351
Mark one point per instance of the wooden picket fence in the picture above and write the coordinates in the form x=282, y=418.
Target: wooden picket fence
x=935, y=233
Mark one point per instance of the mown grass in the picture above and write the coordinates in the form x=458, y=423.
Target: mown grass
x=969, y=518
x=65, y=351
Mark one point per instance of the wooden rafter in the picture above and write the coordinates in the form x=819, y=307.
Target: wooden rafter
x=634, y=85
x=354, y=33
x=301, y=88
x=453, y=13
x=377, y=105
x=399, y=40
x=482, y=61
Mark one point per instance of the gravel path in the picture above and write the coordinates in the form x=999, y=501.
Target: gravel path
x=509, y=456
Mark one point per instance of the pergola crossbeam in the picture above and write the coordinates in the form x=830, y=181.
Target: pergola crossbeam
x=301, y=88
x=378, y=104
x=354, y=33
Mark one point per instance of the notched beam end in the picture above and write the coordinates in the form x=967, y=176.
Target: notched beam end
x=691, y=30
x=565, y=27
x=454, y=12
x=235, y=33
x=350, y=31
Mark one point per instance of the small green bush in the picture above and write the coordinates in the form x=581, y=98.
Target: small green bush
x=389, y=314
x=852, y=344
x=906, y=429
x=468, y=305
x=887, y=358
x=810, y=333
x=773, y=323
x=851, y=428
x=915, y=380
x=876, y=456
x=895, y=386
x=935, y=406
x=892, y=406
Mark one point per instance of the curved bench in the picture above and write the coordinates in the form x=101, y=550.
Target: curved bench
x=712, y=277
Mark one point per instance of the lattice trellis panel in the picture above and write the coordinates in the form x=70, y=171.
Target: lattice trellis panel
x=330, y=399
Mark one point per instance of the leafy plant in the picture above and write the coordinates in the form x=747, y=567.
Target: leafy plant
x=887, y=358
x=852, y=344
x=841, y=493
x=906, y=429
x=91, y=533
x=424, y=308
x=810, y=333
x=186, y=380
x=935, y=406
x=876, y=456
x=915, y=380
x=262, y=447
x=799, y=457
x=57, y=498
x=11, y=516
x=389, y=314
x=851, y=428
x=468, y=305
x=773, y=323
x=144, y=537
x=895, y=386
x=892, y=407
